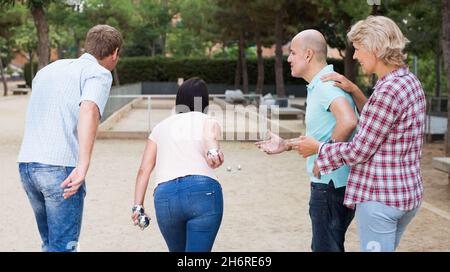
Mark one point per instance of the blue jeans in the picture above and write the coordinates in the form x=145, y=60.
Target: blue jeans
x=58, y=219
x=380, y=226
x=189, y=212
x=330, y=218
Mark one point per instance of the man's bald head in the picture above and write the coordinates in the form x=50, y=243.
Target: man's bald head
x=314, y=40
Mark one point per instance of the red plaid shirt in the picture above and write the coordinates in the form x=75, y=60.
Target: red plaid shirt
x=385, y=153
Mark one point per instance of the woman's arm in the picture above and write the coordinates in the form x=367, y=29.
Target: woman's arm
x=376, y=122
x=211, y=135
x=147, y=164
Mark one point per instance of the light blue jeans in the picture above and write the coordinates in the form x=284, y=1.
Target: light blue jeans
x=58, y=219
x=189, y=212
x=380, y=226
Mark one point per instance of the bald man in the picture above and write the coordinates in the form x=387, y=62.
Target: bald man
x=330, y=117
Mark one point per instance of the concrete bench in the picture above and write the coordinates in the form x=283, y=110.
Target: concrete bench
x=442, y=164
x=20, y=91
x=289, y=113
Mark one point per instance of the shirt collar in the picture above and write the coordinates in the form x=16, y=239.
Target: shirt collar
x=89, y=57
x=404, y=70
x=325, y=70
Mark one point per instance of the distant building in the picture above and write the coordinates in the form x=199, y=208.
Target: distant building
x=21, y=58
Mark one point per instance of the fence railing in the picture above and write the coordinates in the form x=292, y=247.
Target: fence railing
x=122, y=91
x=436, y=111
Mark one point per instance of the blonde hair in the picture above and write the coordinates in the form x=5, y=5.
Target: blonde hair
x=102, y=40
x=381, y=36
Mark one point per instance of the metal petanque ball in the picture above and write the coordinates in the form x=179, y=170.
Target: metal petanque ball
x=229, y=168
x=239, y=167
x=143, y=221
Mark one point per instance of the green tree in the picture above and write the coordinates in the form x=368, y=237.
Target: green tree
x=194, y=33
x=25, y=39
x=3, y=48
x=37, y=9
x=343, y=14
x=418, y=21
x=69, y=26
x=259, y=12
x=290, y=17
x=9, y=18
x=233, y=21
x=151, y=27
x=116, y=13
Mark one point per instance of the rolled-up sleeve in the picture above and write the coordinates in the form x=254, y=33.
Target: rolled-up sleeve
x=96, y=89
x=377, y=119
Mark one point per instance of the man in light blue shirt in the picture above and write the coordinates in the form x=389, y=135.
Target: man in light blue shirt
x=320, y=122
x=330, y=116
x=67, y=100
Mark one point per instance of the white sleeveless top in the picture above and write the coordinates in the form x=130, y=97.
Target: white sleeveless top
x=180, y=147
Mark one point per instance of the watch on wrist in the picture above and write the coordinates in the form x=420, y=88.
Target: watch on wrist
x=138, y=208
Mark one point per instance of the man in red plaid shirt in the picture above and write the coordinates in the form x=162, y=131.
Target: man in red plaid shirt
x=385, y=182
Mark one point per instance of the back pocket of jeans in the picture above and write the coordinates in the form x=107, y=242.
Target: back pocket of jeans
x=318, y=197
x=203, y=202
x=49, y=181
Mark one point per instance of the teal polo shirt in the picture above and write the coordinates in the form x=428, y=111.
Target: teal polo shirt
x=320, y=122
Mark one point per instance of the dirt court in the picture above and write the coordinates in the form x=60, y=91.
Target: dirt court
x=266, y=203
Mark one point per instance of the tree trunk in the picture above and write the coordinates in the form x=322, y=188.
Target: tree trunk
x=279, y=81
x=260, y=80
x=237, y=73
x=163, y=44
x=437, y=71
x=5, y=84
x=78, y=46
x=349, y=62
x=153, y=48
x=41, y=24
x=116, y=77
x=446, y=50
x=243, y=63
x=30, y=55
x=164, y=34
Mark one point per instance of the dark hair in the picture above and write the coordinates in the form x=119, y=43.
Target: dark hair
x=102, y=41
x=189, y=95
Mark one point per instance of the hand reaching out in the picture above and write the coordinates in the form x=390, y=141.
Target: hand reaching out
x=274, y=145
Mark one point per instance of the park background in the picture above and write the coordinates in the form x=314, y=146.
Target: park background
x=231, y=44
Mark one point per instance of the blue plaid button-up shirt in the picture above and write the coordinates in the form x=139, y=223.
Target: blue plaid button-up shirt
x=53, y=110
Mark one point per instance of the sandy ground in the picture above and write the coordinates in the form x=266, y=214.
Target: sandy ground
x=266, y=203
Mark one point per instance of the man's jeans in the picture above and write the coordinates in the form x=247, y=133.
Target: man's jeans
x=58, y=219
x=330, y=218
x=380, y=226
x=189, y=212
